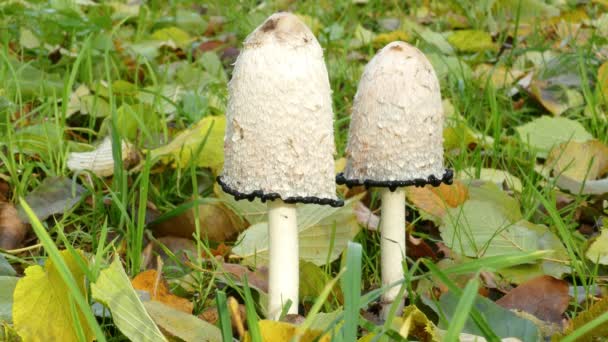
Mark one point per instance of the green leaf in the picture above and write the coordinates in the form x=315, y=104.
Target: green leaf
x=54, y=195
x=471, y=41
x=173, y=36
x=43, y=294
x=503, y=322
x=479, y=228
x=189, y=144
x=315, y=224
x=544, y=133
x=5, y=267
x=495, y=176
x=113, y=289
x=178, y=324
x=598, y=250
x=491, y=193
x=7, y=284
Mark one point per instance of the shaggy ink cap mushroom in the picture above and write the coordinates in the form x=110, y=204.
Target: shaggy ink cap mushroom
x=396, y=128
x=279, y=141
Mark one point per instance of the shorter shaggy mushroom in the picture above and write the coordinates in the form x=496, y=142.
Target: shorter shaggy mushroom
x=279, y=142
x=395, y=140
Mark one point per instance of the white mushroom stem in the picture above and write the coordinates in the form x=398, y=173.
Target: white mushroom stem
x=392, y=244
x=283, y=270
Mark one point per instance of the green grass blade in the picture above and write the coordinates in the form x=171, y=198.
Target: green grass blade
x=351, y=287
x=252, y=316
x=224, y=315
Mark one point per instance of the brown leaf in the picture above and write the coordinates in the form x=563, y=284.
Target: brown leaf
x=12, y=229
x=217, y=222
x=544, y=297
x=257, y=278
x=180, y=247
x=365, y=217
x=418, y=248
x=436, y=200
x=155, y=284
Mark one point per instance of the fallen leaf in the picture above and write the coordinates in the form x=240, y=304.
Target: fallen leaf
x=55, y=195
x=366, y=217
x=113, y=289
x=545, y=297
x=158, y=288
x=501, y=178
x=172, y=37
x=217, y=223
x=5, y=267
x=470, y=41
x=101, y=161
x=436, y=200
x=598, y=249
x=316, y=234
x=383, y=39
x=12, y=229
x=503, y=322
x=544, y=133
x=281, y=331
x=184, y=250
x=312, y=282
x=7, y=284
x=43, y=294
x=479, y=228
x=178, y=324
x=597, y=309
x=257, y=278
x=579, y=160
x=188, y=145
x=498, y=76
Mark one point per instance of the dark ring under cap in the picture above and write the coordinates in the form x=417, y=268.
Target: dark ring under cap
x=273, y=196
x=447, y=178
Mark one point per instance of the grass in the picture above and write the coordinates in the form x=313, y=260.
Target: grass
x=38, y=131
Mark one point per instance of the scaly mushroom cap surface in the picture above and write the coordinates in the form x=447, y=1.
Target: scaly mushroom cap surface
x=279, y=140
x=396, y=128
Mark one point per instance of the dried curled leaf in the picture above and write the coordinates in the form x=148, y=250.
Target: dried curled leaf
x=100, y=161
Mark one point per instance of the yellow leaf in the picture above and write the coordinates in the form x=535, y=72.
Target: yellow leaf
x=383, y=39
x=173, y=35
x=188, y=144
x=42, y=303
x=281, y=331
x=579, y=160
x=471, y=41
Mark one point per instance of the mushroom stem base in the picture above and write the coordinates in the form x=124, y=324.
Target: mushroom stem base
x=392, y=245
x=283, y=267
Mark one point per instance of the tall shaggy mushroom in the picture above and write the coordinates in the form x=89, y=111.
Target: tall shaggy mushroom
x=395, y=140
x=279, y=142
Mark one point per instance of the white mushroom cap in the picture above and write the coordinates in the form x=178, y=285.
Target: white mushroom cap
x=396, y=128
x=279, y=139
